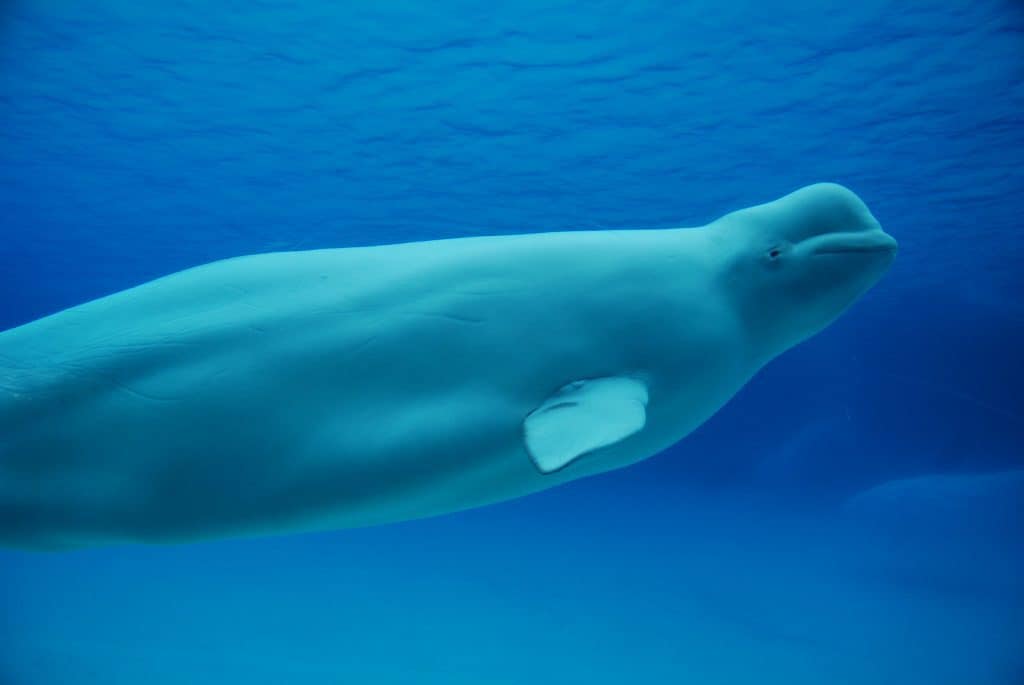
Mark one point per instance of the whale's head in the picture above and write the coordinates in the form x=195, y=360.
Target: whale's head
x=793, y=265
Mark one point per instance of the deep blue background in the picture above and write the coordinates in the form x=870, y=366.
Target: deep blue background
x=141, y=138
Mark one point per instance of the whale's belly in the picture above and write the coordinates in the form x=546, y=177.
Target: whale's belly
x=196, y=450
x=171, y=438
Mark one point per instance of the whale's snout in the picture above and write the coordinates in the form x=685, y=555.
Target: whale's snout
x=863, y=254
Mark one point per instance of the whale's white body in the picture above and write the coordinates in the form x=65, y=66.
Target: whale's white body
x=335, y=388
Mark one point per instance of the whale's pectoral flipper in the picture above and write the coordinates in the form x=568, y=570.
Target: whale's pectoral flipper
x=584, y=416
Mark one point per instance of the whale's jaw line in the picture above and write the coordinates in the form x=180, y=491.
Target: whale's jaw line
x=853, y=242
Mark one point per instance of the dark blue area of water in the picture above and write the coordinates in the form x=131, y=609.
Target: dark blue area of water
x=137, y=139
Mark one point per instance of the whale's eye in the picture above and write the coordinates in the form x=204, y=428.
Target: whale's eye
x=773, y=255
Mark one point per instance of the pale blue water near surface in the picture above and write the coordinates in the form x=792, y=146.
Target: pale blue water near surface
x=139, y=138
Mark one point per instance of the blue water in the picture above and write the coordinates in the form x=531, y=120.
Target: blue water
x=139, y=138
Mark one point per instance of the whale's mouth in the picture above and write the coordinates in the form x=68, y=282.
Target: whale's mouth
x=858, y=242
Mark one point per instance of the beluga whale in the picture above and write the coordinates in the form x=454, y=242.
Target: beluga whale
x=324, y=389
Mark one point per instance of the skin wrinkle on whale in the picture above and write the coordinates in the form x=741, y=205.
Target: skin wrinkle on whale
x=302, y=391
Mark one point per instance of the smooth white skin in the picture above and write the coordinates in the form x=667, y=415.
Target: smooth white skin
x=333, y=388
